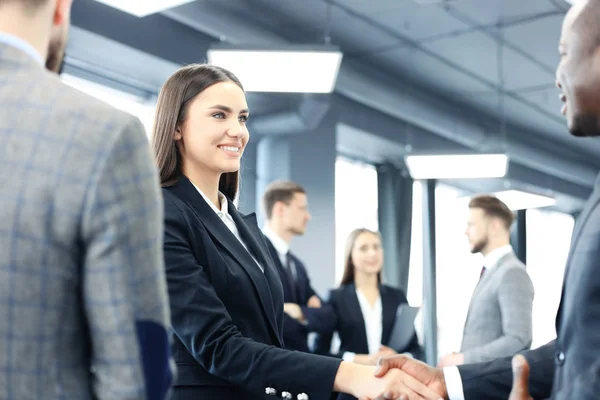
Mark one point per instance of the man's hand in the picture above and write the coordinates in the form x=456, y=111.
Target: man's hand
x=395, y=384
x=294, y=311
x=433, y=378
x=520, y=389
x=314, y=302
x=384, y=352
x=452, y=359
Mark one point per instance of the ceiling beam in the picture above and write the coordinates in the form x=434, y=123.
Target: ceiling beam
x=371, y=87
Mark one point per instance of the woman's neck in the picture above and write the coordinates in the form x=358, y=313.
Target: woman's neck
x=366, y=282
x=208, y=183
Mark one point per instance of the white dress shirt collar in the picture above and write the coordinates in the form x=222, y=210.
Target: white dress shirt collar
x=495, y=255
x=222, y=201
x=227, y=219
x=280, y=245
x=22, y=45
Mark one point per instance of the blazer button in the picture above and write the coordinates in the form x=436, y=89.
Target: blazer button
x=286, y=395
x=302, y=396
x=560, y=358
x=271, y=391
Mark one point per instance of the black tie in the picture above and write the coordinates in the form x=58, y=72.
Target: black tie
x=289, y=265
x=482, y=272
x=290, y=275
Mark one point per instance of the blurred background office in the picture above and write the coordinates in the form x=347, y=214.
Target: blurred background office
x=408, y=78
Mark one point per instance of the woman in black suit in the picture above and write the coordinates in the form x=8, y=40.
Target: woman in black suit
x=225, y=295
x=364, y=308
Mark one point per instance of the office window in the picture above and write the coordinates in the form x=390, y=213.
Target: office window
x=355, y=204
x=141, y=108
x=457, y=269
x=548, y=241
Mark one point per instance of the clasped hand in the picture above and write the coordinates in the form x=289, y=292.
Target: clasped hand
x=393, y=384
x=433, y=379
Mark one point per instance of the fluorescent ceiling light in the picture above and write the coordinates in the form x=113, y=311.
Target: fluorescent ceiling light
x=141, y=8
x=456, y=166
x=294, y=69
x=519, y=200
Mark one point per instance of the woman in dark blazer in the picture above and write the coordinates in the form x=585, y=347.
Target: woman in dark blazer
x=364, y=308
x=225, y=295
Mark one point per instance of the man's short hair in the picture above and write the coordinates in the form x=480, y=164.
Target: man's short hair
x=282, y=191
x=493, y=207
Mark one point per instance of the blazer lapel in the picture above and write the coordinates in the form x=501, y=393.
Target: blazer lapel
x=591, y=204
x=248, y=227
x=219, y=231
x=582, y=219
x=389, y=308
x=354, y=308
x=484, y=282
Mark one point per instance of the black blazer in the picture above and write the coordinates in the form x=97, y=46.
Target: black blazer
x=350, y=325
x=569, y=366
x=227, y=315
x=295, y=334
x=492, y=380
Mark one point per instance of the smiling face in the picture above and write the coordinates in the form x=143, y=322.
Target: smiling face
x=213, y=136
x=367, y=254
x=578, y=73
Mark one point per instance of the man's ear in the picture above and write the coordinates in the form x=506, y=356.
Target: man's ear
x=277, y=208
x=62, y=12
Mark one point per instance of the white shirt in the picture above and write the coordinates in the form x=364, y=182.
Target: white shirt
x=454, y=383
x=22, y=45
x=373, y=317
x=224, y=215
x=452, y=374
x=282, y=248
x=494, y=256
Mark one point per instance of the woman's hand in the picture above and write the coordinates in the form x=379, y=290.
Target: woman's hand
x=358, y=380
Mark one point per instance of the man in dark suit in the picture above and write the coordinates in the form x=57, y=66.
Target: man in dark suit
x=286, y=208
x=569, y=367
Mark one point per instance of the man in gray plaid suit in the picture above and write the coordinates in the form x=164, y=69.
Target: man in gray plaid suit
x=499, y=320
x=83, y=300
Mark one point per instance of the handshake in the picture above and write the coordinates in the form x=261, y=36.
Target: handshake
x=402, y=377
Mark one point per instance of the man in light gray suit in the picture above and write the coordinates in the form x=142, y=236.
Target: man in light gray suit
x=499, y=318
x=83, y=300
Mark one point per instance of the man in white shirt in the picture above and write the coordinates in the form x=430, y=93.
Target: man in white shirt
x=286, y=208
x=499, y=319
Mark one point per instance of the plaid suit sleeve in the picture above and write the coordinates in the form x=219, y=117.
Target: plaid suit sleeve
x=124, y=287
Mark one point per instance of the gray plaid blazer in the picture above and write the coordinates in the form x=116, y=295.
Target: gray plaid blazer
x=499, y=319
x=83, y=297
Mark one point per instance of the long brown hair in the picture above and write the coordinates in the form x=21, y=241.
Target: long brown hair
x=172, y=109
x=349, y=268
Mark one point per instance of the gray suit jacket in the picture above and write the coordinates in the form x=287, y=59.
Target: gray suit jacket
x=499, y=319
x=83, y=297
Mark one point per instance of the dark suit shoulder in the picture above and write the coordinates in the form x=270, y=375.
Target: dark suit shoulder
x=178, y=213
x=174, y=205
x=335, y=294
x=298, y=261
x=394, y=293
